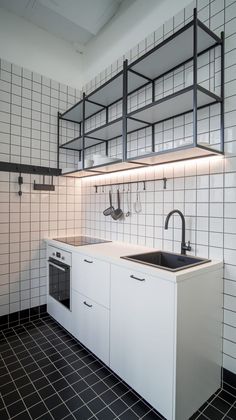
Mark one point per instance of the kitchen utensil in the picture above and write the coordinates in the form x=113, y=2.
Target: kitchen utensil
x=110, y=209
x=118, y=213
x=137, y=204
x=128, y=213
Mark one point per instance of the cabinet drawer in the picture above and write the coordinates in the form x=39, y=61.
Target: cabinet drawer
x=91, y=277
x=91, y=325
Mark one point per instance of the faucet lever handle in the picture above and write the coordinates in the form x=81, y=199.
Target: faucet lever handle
x=189, y=246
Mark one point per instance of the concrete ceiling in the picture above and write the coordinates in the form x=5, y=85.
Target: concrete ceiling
x=76, y=21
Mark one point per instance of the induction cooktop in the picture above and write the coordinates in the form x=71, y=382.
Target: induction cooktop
x=80, y=240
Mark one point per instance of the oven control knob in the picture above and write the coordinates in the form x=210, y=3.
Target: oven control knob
x=53, y=254
x=62, y=258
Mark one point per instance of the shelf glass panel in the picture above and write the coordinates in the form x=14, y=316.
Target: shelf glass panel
x=82, y=173
x=175, y=104
x=77, y=144
x=174, y=155
x=172, y=52
x=114, y=129
x=75, y=113
x=112, y=90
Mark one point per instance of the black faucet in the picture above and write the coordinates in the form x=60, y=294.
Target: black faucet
x=184, y=247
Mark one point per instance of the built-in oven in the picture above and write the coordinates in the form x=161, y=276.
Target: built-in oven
x=59, y=276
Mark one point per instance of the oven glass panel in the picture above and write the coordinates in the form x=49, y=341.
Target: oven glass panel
x=59, y=282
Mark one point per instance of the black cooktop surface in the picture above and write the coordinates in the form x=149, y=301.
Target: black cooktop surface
x=80, y=240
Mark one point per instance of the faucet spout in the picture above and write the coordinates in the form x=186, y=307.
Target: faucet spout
x=184, y=247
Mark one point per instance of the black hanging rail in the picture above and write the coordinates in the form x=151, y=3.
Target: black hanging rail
x=132, y=182
x=29, y=169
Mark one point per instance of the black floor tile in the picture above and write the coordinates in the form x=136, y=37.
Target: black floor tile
x=96, y=405
x=3, y=414
x=23, y=416
x=37, y=410
x=53, y=401
x=108, y=397
x=220, y=404
x=140, y=408
x=87, y=395
x=83, y=413
x=74, y=403
x=11, y=398
x=152, y=416
x=67, y=393
x=100, y=387
x=118, y=407
x=232, y=413
x=128, y=415
x=45, y=374
x=227, y=397
x=213, y=413
x=32, y=399
x=16, y=408
x=80, y=386
x=46, y=392
x=106, y=414
x=26, y=390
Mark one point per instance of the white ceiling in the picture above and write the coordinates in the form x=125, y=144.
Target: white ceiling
x=76, y=21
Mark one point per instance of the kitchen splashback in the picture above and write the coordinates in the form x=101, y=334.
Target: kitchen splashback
x=204, y=190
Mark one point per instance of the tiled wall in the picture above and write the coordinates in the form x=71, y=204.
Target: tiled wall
x=28, y=134
x=205, y=190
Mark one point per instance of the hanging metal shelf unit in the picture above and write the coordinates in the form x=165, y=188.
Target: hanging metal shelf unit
x=183, y=47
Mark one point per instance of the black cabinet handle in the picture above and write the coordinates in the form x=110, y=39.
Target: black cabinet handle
x=85, y=303
x=136, y=278
x=87, y=261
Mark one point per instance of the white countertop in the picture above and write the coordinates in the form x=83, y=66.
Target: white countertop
x=112, y=251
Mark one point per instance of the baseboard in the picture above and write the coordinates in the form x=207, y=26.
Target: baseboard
x=229, y=379
x=22, y=317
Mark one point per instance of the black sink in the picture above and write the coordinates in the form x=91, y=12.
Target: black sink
x=167, y=260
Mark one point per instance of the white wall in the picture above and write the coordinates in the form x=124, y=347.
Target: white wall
x=28, y=46
x=127, y=29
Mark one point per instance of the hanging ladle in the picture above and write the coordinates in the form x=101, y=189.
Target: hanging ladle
x=110, y=209
x=118, y=213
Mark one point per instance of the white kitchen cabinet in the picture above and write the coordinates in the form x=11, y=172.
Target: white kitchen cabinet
x=91, y=277
x=165, y=337
x=160, y=331
x=142, y=334
x=91, y=325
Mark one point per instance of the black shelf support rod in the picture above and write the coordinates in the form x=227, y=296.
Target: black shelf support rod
x=222, y=110
x=125, y=108
x=58, y=139
x=132, y=182
x=195, y=47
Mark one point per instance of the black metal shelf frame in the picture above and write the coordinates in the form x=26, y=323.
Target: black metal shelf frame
x=147, y=70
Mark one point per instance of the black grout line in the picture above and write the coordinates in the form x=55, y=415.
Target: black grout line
x=55, y=332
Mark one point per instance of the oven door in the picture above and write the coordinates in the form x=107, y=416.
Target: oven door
x=59, y=282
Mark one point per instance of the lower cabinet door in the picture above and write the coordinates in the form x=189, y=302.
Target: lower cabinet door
x=91, y=325
x=142, y=335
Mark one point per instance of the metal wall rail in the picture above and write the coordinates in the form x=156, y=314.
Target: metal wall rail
x=28, y=169
x=144, y=181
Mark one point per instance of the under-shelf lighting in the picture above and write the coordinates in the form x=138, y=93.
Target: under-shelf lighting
x=150, y=171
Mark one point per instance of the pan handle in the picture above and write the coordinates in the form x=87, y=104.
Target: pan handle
x=110, y=198
x=118, y=199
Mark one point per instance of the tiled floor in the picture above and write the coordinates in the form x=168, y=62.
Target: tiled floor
x=46, y=374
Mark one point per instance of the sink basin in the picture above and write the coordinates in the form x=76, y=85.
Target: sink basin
x=167, y=260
